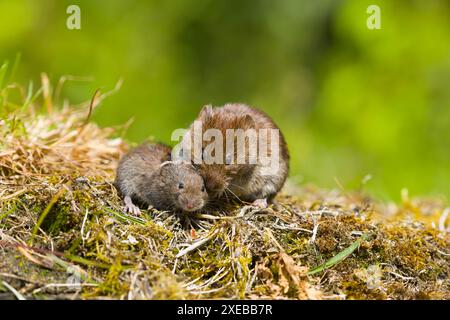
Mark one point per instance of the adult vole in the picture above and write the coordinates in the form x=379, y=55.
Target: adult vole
x=258, y=181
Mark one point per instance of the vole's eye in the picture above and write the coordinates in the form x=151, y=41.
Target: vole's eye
x=203, y=189
x=181, y=185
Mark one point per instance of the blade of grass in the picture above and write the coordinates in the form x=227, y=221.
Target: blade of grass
x=14, y=67
x=340, y=256
x=46, y=91
x=65, y=265
x=30, y=97
x=3, y=70
x=44, y=214
x=124, y=218
x=7, y=213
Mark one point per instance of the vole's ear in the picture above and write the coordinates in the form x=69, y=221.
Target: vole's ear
x=247, y=121
x=174, y=163
x=167, y=164
x=206, y=112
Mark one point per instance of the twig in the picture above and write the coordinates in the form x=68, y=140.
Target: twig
x=83, y=237
x=53, y=201
x=13, y=276
x=271, y=236
x=443, y=253
x=292, y=228
x=64, y=285
x=91, y=107
x=211, y=217
x=400, y=276
x=316, y=227
x=196, y=244
x=14, y=291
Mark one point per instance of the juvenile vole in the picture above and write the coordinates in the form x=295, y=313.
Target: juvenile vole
x=256, y=182
x=146, y=176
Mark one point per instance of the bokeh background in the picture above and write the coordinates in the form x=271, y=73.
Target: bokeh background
x=350, y=101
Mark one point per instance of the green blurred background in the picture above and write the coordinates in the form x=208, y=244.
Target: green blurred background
x=351, y=101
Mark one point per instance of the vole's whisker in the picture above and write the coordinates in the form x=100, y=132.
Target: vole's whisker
x=227, y=189
x=226, y=195
x=236, y=186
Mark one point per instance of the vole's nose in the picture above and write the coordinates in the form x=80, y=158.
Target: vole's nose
x=189, y=205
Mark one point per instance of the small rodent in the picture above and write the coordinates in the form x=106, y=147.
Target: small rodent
x=243, y=181
x=146, y=175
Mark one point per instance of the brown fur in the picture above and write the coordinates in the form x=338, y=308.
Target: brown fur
x=144, y=175
x=242, y=181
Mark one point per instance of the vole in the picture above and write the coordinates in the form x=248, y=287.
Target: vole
x=255, y=182
x=146, y=176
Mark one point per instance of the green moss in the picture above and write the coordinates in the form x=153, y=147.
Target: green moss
x=58, y=220
x=111, y=284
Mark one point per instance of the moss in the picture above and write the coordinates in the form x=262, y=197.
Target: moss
x=245, y=252
x=112, y=285
x=58, y=220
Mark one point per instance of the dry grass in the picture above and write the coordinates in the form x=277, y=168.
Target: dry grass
x=63, y=233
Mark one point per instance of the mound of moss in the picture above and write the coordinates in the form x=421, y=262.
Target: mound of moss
x=63, y=233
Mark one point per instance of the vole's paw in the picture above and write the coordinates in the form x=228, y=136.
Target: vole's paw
x=133, y=210
x=260, y=203
x=130, y=207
